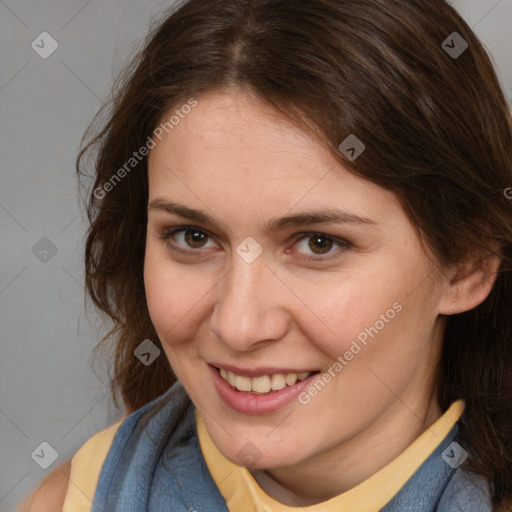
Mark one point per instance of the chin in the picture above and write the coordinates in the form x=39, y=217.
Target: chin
x=251, y=457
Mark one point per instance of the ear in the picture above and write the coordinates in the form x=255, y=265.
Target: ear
x=470, y=283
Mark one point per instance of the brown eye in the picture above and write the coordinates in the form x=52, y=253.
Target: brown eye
x=186, y=239
x=195, y=238
x=321, y=243
x=318, y=245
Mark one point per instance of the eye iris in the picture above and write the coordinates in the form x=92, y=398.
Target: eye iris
x=197, y=237
x=324, y=243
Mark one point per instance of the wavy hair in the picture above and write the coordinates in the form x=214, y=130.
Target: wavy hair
x=438, y=134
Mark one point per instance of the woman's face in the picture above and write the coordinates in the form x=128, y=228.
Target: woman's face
x=245, y=290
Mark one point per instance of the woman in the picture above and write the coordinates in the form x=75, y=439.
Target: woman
x=300, y=229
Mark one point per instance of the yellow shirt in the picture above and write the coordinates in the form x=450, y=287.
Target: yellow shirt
x=242, y=492
x=85, y=469
x=239, y=488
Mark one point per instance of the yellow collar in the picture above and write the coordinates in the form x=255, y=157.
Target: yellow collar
x=242, y=492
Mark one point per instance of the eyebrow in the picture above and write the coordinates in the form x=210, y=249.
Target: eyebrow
x=323, y=215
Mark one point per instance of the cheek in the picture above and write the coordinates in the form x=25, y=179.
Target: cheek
x=336, y=314
x=173, y=297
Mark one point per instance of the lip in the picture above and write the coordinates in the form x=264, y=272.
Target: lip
x=261, y=370
x=247, y=403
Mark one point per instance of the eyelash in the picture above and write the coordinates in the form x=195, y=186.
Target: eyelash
x=168, y=235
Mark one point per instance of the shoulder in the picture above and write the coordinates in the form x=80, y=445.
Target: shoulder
x=50, y=494
x=466, y=491
x=86, y=467
x=73, y=483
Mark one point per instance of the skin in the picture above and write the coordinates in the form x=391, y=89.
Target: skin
x=50, y=494
x=240, y=162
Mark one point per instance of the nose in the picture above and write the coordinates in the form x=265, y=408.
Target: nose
x=250, y=306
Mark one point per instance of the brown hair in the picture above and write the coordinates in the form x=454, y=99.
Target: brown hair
x=437, y=130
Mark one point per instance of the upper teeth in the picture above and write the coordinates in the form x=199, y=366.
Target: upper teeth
x=263, y=383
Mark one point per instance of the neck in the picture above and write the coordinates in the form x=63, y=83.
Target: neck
x=327, y=475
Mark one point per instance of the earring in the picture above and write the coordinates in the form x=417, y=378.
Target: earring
x=453, y=305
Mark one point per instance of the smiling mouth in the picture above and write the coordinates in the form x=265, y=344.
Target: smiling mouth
x=263, y=384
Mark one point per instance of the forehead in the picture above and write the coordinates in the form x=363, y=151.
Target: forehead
x=231, y=149
x=234, y=128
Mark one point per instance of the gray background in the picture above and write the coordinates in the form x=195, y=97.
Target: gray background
x=48, y=389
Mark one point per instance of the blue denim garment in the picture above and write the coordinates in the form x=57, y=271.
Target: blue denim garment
x=147, y=471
